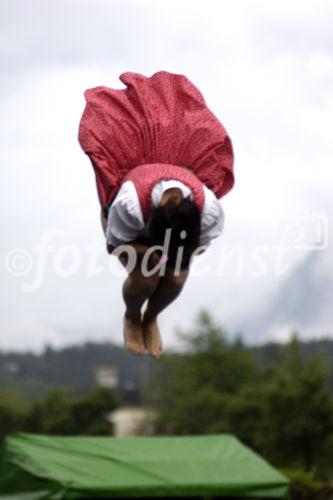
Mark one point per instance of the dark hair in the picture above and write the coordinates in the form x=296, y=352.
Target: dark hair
x=184, y=216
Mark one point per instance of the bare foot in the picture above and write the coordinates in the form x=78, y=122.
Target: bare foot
x=133, y=336
x=152, y=337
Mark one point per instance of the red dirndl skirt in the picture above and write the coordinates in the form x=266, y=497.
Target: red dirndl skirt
x=157, y=119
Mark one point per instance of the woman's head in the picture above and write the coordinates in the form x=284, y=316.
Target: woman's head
x=182, y=218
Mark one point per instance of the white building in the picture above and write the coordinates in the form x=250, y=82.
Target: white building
x=133, y=421
x=107, y=376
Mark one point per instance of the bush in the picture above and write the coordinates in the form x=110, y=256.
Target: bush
x=304, y=486
x=58, y=414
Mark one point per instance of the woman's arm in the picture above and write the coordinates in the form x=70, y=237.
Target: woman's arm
x=104, y=221
x=212, y=218
x=124, y=220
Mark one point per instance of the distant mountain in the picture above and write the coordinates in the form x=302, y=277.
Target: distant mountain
x=75, y=368
x=303, y=302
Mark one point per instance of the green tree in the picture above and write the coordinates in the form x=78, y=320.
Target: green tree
x=50, y=415
x=12, y=411
x=247, y=416
x=57, y=413
x=300, y=409
x=193, y=390
x=10, y=421
x=283, y=410
x=90, y=412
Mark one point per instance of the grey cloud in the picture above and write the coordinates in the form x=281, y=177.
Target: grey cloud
x=43, y=32
x=296, y=28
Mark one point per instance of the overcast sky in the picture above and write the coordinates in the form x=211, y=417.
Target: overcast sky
x=266, y=71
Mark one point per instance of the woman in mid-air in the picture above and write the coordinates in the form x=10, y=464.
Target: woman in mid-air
x=162, y=161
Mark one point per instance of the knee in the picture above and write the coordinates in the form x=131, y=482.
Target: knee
x=141, y=285
x=148, y=284
x=176, y=281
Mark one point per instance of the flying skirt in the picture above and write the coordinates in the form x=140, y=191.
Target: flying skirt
x=159, y=119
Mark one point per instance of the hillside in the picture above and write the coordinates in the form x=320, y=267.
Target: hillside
x=303, y=301
x=74, y=367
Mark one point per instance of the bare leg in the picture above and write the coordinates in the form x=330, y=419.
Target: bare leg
x=167, y=290
x=136, y=290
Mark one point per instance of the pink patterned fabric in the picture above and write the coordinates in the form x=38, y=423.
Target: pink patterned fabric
x=144, y=178
x=158, y=119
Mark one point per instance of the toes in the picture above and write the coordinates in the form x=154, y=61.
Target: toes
x=133, y=338
x=152, y=338
x=155, y=354
x=134, y=349
x=140, y=350
x=154, y=351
